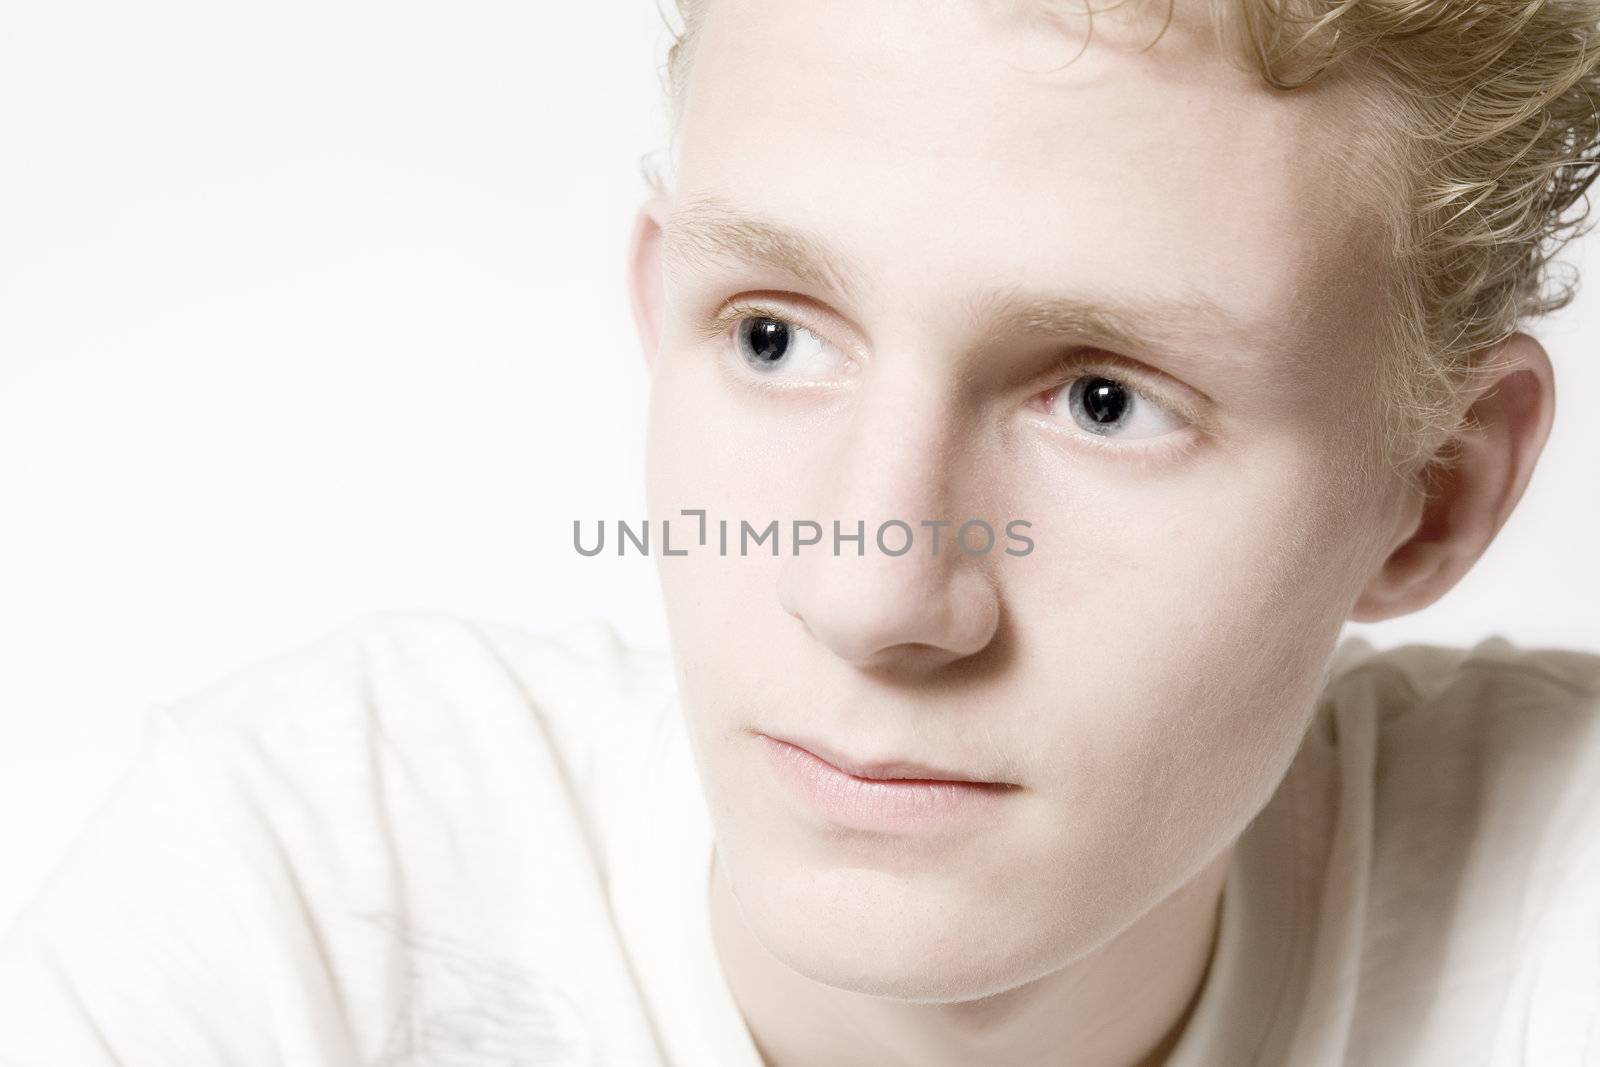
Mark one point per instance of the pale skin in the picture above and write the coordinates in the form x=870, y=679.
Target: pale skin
x=942, y=209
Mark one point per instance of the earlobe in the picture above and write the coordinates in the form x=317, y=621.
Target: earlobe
x=645, y=286
x=1473, y=487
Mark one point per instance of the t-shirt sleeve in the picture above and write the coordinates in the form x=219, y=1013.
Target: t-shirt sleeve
x=147, y=947
x=385, y=845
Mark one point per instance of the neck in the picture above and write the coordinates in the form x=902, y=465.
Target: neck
x=1124, y=1004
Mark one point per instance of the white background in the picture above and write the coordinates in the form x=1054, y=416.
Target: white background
x=313, y=308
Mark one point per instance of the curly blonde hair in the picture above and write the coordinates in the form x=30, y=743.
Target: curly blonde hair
x=1492, y=134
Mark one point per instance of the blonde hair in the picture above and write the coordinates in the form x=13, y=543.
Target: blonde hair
x=1492, y=134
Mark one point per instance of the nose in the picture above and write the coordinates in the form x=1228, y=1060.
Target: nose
x=913, y=612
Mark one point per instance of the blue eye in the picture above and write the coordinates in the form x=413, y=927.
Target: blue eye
x=1106, y=407
x=777, y=347
x=764, y=341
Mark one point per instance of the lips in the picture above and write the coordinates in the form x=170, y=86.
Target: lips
x=910, y=798
x=883, y=769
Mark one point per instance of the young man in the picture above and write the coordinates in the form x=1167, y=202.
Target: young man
x=1232, y=362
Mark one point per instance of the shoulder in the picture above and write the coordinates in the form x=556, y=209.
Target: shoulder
x=408, y=666
x=1520, y=722
x=402, y=817
x=1493, y=731
x=1475, y=784
x=1483, y=764
x=415, y=718
x=404, y=749
x=1480, y=763
x=1492, y=685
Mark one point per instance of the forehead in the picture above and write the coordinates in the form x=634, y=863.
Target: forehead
x=962, y=143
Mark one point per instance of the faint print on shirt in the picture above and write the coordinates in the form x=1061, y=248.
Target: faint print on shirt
x=465, y=1008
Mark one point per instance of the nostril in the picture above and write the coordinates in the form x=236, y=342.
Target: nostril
x=787, y=604
x=890, y=619
x=910, y=658
x=795, y=614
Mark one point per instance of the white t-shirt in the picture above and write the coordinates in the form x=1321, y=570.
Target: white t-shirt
x=426, y=841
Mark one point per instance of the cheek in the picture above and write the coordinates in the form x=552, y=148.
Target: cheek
x=711, y=446
x=709, y=449
x=1182, y=637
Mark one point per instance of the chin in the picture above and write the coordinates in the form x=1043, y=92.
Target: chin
x=884, y=935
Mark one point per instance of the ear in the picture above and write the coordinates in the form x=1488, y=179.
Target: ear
x=1473, y=490
x=645, y=286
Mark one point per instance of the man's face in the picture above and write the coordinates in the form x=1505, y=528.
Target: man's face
x=1117, y=298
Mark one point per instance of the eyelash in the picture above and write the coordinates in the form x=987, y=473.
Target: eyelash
x=1062, y=372
x=1078, y=365
x=720, y=328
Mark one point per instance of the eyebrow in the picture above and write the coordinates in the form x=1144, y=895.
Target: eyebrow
x=708, y=228
x=1173, y=329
